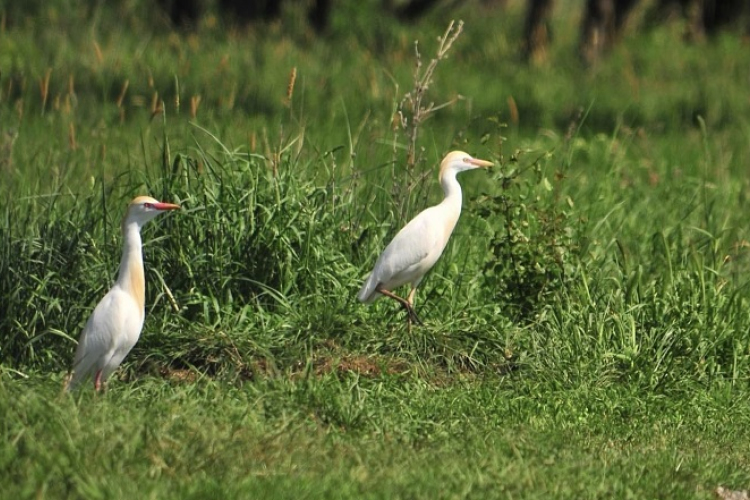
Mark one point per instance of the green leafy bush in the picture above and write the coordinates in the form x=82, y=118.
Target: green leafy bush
x=534, y=237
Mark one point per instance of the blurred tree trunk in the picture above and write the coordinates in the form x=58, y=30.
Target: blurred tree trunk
x=185, y=13
x=719, y=14
x=602, y=26
x=252, y=10
x=415, y=9
x=536, y=33
x=501, y=4
x=319, y=15
x=704, y=17
x=691, y=10
x=182, y=13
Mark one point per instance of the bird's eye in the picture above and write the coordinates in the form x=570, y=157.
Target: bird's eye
x=148, y=205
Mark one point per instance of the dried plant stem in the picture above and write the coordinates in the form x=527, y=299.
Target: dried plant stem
x=72, y=143
x=412, y=111
x=195, y=101
x=290, y=87
x=123, y=91
x=121, y=98
x=44, y=88
x=98, y=53
x=157, y=105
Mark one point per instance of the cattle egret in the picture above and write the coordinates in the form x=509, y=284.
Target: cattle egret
x=416, y=248
x=116, y=323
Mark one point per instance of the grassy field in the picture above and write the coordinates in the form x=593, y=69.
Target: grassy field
x=587, y=330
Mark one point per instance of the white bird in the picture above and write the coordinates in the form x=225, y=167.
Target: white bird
x=116, y=323
x=419, y=244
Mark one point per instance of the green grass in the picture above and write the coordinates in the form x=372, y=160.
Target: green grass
x=395, y=437
x=587, y=328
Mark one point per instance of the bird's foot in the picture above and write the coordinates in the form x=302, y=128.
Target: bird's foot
x=413, y=318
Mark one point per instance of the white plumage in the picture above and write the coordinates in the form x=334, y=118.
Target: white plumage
x=419, y=244
x=115, y=325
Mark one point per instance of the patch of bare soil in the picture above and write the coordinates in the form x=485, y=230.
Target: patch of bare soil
x=727, y=494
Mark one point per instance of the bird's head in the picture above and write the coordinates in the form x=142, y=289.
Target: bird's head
x=458, y=161
x=144, y=208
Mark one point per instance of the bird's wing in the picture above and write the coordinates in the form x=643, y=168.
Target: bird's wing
x=132, y=324
x=407, y=257
x=112, y=316
x=95, y=340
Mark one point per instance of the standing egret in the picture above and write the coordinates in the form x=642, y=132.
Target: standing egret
x=116, y=323
x=419, y=244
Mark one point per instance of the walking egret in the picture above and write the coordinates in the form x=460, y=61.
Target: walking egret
x=116, y=323
x=419, y=244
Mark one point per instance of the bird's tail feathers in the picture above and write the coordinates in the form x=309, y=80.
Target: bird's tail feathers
x=73, y=382
x=82, y=371
x=367, y=293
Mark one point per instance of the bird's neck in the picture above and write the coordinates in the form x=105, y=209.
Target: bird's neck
x=452, y=192
x=451, y=204
x=131, y=277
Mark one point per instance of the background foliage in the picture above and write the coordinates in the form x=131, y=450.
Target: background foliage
x=592, y=306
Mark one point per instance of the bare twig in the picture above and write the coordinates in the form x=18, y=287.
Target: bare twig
x=412, y=111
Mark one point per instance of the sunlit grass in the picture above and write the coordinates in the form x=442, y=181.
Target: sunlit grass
x=587, y=328
x=378, y=438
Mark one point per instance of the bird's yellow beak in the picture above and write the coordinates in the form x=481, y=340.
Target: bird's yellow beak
x=480, y=163
x=166, y=206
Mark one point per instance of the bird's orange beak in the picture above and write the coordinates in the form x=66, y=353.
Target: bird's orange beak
x=480, y=163
x=166, y=206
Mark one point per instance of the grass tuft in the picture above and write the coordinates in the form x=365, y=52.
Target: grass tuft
x=586, y=330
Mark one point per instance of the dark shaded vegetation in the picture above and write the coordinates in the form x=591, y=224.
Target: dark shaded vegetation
x=586, y=331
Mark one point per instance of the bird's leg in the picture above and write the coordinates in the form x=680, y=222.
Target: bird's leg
x=395, y=297
x=98, y=381
x=412, y=313
x=412, y=316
